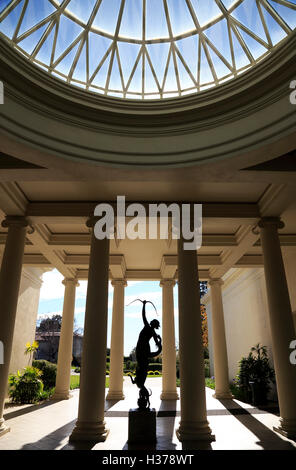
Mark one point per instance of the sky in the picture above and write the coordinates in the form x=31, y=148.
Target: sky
x=52, y=295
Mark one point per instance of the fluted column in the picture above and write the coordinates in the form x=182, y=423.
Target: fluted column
x=193, y=425
x=62, y=390
x=281, y=323
x=117, y=336
x=169, y=389
x=90, y=425
x=219, y=342
x=10, y=276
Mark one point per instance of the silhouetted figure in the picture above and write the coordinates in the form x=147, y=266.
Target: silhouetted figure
x=144, y=354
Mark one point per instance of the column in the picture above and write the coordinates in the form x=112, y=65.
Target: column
x=169, y=389
x=62, y=390
x=281, y=323
x=117, y=335
x=219, y=342
x=10, y=276
x=90, y=425
x=193, y=425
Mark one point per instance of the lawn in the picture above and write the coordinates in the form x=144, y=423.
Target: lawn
x=75, y=382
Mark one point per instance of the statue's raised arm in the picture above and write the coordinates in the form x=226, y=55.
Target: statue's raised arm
x=144, y=313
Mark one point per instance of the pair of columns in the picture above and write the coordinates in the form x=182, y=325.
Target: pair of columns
x=169, y=390
x=281, y=324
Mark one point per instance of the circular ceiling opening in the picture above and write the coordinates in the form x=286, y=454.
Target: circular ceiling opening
x=146, y=49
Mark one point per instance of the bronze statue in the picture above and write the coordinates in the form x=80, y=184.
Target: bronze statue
x=144, y=354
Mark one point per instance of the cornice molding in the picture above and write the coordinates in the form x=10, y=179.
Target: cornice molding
x=18, y=66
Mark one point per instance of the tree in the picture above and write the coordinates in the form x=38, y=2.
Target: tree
x=203, y=288
x=50, y=324
x=204, y=326
x=48, y=328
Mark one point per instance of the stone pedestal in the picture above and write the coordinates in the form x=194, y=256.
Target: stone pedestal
x=142, y=426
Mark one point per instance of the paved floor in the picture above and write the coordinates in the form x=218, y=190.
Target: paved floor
x=237, y=426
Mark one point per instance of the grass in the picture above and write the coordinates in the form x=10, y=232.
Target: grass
x=75, y=382
x=209, y=383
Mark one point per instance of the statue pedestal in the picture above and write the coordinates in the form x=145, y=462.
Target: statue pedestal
x=141, y=426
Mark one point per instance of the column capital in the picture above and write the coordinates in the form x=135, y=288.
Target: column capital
x=11, y=220
x=216, y=282
x=69, y=281
x=271, y=222
x=119, y=282
x=167, y=283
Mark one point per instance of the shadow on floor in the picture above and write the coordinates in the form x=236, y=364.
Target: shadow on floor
x=268, y=439
x=110, y=403
x=52, y=440
x=28, y=409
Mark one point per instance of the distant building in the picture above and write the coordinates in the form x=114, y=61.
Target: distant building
x=49, y=346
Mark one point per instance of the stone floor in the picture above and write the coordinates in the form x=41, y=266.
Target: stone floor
x=237, y=426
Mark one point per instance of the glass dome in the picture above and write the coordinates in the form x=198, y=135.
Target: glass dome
x=146, y=49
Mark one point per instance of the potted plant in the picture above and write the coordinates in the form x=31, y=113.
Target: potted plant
x=255, y=376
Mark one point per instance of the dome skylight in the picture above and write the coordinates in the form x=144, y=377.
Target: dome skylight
x=146, y=49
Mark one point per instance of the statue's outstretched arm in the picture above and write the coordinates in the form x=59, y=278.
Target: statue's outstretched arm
x=144, y=313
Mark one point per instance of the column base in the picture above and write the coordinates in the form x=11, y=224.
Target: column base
x=287, y=428
x=3, y=428
x=115, y=396
x=223, y=395
x=62, y=396
x=190, y=431
x=169, y=396
x=89, y=431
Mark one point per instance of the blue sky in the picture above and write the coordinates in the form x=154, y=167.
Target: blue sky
x=51, y=302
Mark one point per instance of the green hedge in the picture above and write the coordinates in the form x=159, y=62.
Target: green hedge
x=155, y=366
x=49, y=372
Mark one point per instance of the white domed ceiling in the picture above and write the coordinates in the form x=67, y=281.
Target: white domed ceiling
x=146, y=49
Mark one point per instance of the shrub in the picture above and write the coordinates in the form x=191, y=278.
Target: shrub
x=155, y=366
x=254, y=372
x=26, y=387
x=210, y=382
x=207, y=368
x=49, y=372
x=129, y=366
x=75, y=362
x=46, y=394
